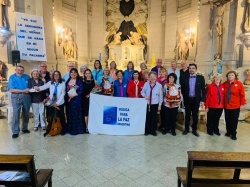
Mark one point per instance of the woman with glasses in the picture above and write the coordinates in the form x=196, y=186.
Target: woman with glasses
x=56, y=96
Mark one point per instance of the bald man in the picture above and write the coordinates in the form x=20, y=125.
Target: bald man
x=70, y=66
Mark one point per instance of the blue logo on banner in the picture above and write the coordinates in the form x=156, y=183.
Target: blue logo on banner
x=110, y=115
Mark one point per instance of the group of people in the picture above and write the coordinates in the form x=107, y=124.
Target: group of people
x=164, y=89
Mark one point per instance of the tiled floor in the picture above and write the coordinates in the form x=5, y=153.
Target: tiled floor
x=110, y=161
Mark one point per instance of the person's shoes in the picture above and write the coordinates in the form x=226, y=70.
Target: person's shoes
x=217, y=133
x=195, y=133
x=164, y=132
x=15, y=136
x=25, y=131
x=233, y=138
x=35, y=128
x=44, y=128
x=154, y=134
x=87, y=131
x=62, y=133
x=173, y=133
x=185, y=132
x=145, y=134
x=210, y=133
x=227, y=134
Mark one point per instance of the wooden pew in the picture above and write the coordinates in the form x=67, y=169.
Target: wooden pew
x=25, y=163
x=230, y=169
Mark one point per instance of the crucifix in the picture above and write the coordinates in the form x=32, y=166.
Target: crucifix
x=216, y=21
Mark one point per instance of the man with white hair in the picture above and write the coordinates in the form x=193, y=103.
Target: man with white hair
x=158, y=66
x=184, y=71
x=70, y=66
x=174, y=70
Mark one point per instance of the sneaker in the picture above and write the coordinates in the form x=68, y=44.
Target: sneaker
x=15, y=136
x=26, y=131
x=35, y=128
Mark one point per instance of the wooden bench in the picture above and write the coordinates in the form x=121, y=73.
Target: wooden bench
x=230, y=169
x=25, y=163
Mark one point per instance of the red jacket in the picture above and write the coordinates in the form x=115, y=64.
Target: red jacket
x=132, y=86
x=237, y=95
x=212, y=99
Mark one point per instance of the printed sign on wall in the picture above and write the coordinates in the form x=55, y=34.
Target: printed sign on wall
x=30, y=37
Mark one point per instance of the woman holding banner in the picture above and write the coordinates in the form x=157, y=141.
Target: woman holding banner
x=152, y=92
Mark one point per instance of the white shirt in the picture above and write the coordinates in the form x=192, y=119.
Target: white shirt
x=176, y=72
x=60, y=91
x=156, y=93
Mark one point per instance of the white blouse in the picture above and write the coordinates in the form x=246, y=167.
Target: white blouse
x=60, y=91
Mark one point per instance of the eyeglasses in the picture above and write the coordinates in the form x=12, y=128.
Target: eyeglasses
x=43, y=66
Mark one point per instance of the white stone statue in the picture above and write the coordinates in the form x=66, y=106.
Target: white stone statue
x=69, y=46
x=135, y=38
x=247, y=17
x=4, y=14
x=182, y=47
x=117, y=39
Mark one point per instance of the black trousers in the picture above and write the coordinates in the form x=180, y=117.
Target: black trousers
x=163, y=116
x=60, y=114
x=191, y=106
x=213, y=119
x=170, y=116
x=151, y=119
x=231, y=117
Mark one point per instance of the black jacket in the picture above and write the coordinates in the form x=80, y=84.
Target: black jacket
x=200, y=90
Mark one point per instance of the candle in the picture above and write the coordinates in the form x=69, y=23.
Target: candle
x=100, y=56
x=153, y=61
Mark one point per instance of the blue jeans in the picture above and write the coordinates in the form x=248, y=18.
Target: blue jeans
x=20, y=101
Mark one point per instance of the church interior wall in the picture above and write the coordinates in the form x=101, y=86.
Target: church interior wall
x=165, y=18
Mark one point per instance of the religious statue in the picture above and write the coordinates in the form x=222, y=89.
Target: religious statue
x=4, y=13
x=219, y=18
x=3, y=71
x=69, y=46
x=182, y=47
x=247, y=17
x=247, y=80
x=135, y=38
x=117, y=39
x=217, y=66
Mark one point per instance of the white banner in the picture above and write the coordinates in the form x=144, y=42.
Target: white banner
x=30, y=37
x=116, y=115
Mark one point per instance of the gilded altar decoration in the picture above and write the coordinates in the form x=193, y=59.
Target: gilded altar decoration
x=126, y=29
x=247, y=79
